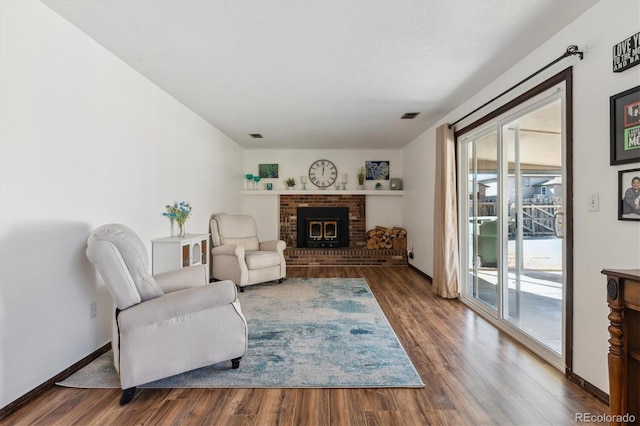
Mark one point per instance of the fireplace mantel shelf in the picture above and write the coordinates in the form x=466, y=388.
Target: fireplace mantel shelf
x=322, y=192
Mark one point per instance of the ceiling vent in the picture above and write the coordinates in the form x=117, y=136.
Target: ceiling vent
x=409, y=115
x=256, y=135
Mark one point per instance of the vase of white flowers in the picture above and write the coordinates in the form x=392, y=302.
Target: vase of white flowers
x=180, y=212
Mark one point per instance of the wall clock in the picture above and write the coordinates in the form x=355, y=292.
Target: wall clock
x=323, y=173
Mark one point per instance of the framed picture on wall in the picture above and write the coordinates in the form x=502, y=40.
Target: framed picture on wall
x=629, y=194
x=625, y=127
x=268, y=171
x=377, y=170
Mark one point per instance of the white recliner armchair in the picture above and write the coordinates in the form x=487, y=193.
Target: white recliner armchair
x=168, y=323
x=237, y=255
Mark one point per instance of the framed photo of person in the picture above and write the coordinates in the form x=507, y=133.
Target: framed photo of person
x=625, y=127
x=629, y=194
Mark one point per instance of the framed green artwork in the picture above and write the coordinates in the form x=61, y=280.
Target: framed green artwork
x=268, y=171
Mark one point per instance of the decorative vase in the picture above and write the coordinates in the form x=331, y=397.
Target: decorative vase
x=181, y=229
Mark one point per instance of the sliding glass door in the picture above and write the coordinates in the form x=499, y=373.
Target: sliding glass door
x=512, y=198
x=482, y=177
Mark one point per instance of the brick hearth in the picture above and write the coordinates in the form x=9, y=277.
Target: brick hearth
x=355, y=254
x=344, y=256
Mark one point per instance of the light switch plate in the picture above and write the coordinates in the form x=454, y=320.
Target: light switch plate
x=594, y=202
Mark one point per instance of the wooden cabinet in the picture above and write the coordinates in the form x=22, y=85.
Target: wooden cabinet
x=623, y=298
x=179, y=252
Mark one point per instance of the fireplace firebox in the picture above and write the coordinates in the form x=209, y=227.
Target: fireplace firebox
x=323, y=232
x=323, y=227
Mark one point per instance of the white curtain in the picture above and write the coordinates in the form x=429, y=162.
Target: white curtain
x=445, y=235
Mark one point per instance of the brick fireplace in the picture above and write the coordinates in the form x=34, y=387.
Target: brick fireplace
x=353, y=253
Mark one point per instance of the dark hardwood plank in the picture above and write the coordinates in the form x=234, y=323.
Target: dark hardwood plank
x=171, y=412
x=45, y=407
x=137, y=412
x=415, y=408
x=208, y=408
x=313, y=408
x=473, y=374
x=105, y=406
x=346, y=407
x=278, y=407
x=384, y=418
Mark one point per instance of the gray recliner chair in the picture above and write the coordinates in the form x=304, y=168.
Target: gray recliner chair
x=237, y=255
x=168, y=323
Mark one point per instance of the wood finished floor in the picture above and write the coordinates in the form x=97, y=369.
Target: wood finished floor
x=474, y=374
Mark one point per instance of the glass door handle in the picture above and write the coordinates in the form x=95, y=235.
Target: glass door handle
x=557, y=224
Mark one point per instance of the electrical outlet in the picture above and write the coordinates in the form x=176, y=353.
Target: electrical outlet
x=93, y=310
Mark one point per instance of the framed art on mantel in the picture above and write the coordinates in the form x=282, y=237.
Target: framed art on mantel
x=625, y=127
x=377, y=170
x=268, y=171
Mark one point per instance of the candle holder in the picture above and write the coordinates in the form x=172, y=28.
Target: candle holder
x=304, y=186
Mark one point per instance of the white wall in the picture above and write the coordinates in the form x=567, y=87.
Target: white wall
x=85, y=140
x=419, y=163
x=292, y=163
x=600, y=239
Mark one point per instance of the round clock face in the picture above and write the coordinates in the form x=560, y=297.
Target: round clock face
x=323, y=173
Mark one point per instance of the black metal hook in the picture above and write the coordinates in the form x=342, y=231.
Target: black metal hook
x=573, y=50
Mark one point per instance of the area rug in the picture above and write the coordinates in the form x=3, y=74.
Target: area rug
x=303, y=333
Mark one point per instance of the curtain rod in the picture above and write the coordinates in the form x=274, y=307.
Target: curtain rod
x=571, y=50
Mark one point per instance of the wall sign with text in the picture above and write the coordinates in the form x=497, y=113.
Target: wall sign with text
x=626, y=54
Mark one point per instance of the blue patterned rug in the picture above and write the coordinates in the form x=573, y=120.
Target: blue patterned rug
x=313, y=333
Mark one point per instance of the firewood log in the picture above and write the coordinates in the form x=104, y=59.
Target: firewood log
x=384, y=238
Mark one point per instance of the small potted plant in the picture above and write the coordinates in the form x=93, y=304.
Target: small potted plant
x=291, y=182
x=361, y=174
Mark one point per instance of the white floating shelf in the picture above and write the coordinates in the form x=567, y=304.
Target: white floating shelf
x=323, y=192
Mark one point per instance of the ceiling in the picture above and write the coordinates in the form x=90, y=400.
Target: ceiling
x=321, y=74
